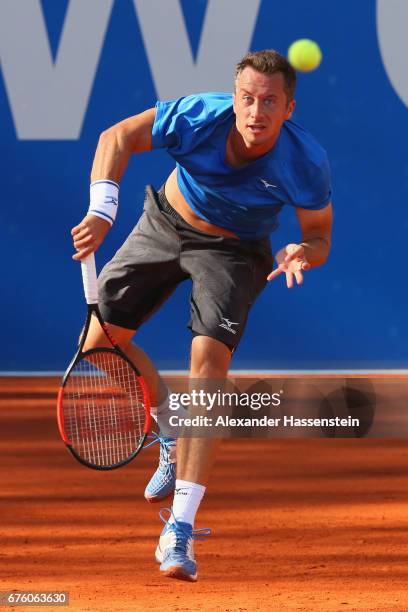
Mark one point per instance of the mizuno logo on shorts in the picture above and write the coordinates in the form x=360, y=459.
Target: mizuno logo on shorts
x=228, y=325
x=266, y=184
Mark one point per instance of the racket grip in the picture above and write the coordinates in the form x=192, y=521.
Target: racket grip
x=89, y=279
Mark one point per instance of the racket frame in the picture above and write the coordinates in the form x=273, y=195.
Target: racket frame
x=79, y=355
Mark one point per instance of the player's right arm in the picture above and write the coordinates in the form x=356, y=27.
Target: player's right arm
x=115, y=146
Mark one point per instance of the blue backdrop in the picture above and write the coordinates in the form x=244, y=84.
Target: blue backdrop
x=71, y=69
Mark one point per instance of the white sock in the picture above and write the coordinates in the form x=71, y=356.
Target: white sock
x=187, y=498
x=162, y=413
x=154, y=410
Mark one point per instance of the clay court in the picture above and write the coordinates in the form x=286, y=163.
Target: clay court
x=298, y=524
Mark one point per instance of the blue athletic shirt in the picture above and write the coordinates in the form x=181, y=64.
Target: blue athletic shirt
x=246, y=200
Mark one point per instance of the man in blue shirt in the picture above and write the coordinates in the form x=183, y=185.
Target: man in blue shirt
x=239, y=159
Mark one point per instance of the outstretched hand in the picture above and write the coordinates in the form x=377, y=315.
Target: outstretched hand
x=292, y=261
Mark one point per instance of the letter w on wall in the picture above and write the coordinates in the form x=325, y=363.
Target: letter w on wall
x=48, y=100
x=226, y=36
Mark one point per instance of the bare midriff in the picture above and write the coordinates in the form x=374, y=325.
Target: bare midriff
x=179, y=203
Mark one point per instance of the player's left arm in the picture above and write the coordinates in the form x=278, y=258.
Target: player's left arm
x=312, y=251
x=316, y=228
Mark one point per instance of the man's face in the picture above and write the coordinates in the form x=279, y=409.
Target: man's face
x=261, y=107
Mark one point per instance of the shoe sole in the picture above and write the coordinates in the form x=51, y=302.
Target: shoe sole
x=156, y=500
x=176, y=571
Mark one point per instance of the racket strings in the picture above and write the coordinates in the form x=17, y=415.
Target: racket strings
x=104, y=409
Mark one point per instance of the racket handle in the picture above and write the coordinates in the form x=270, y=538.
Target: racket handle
x=89, y=279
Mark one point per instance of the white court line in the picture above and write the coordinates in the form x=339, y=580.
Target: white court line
x=255, y=372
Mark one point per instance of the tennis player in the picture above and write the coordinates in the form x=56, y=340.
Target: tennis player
x=239, y=159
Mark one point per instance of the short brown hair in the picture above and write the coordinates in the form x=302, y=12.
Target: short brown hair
x=270, y=61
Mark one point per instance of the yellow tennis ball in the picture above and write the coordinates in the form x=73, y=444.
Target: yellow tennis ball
x=304, y=55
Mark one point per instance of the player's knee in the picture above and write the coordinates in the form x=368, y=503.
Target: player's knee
x=209, y=371
x=210, y=358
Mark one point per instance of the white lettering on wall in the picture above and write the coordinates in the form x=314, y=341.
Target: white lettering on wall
x=226, y=36
x=48, y=100
x=392, y=27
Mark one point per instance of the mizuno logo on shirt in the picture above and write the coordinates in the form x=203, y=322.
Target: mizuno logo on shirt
x=266, y=184
x=228, y=325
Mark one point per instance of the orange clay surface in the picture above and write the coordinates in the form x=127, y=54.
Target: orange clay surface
x=312, y=524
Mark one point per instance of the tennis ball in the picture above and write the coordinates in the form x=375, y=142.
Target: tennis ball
x=304, y=55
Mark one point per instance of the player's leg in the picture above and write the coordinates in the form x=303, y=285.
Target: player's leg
x=227, y=277
x=123, y=336
x=210, y=361
x=162, y=483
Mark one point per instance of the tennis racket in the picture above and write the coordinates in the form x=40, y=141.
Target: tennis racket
x=103, y=406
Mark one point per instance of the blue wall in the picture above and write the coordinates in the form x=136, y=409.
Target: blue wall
x=350, y=313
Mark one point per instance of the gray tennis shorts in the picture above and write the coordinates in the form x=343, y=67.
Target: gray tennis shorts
x=162, y=251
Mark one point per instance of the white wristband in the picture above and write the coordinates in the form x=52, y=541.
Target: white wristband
x=104, y=200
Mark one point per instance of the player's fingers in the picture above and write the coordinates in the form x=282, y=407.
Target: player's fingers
x=82, y=233
x=83, y=253
x=78, y=228
x=289, y=279
x=84, y=242
x=274, y=274
x=85, y=236
x=299, y=277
